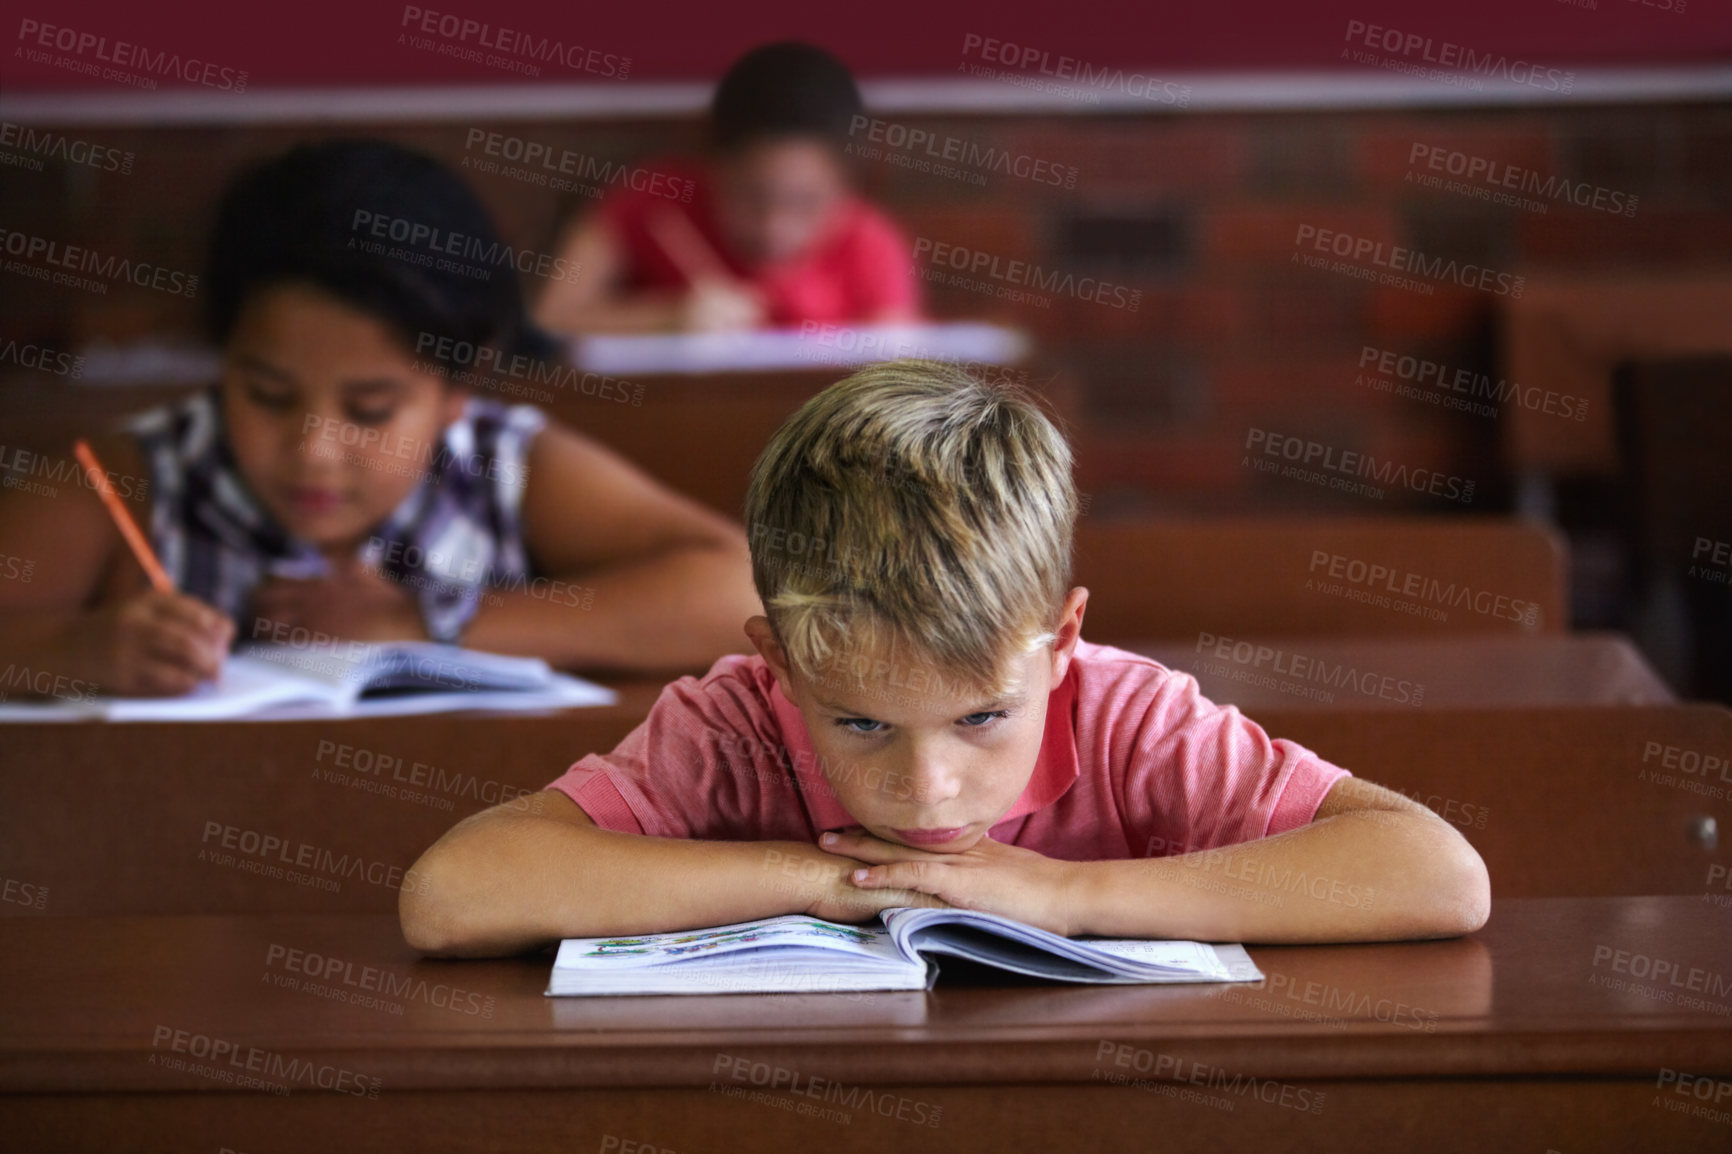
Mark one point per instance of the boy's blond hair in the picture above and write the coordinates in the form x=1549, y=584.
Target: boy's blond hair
x=913, y=505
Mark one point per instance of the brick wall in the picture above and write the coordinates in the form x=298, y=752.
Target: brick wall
x=1197, y=213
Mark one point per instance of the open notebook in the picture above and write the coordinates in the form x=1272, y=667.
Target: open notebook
x=347, y=679
x=795, y=953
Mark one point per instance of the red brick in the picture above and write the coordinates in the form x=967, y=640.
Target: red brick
x=1007, y=230
x=1133, y=155
x=1310, y=305
x=1157, y=462
x=1211, y=309
x=1384, y=148
x=1652, y=237
x=1449, y=312
x=1074, y=316
x=1250, y=385
x=1192, y=311
x=1264, y=232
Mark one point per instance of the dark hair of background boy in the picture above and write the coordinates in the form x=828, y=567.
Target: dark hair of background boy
x=784, y=89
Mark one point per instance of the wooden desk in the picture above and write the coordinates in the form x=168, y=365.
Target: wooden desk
x=1567, y=334
x=1405, y=673
x=137, y=819
x=1561, y=801
x=172, y=819
x=700, y=433
x=1518, y=1038
x=697, y=433
x=1358, y=576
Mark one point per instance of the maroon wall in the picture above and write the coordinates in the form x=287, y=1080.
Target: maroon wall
x=324, y=42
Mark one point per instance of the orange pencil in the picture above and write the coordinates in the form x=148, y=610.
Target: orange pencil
x=122, y=519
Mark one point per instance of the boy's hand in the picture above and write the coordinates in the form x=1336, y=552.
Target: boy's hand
x=839, y=900
x=354, y=603
x=990, y=876
x=154, y=644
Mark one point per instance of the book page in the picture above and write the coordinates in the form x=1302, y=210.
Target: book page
x=787, y=931
x=1177, y=955
x=1027, y=949
x=245, y=687
x=358, y=667
x=253, y=687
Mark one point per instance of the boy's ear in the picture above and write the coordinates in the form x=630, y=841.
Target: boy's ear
x=1068, y=632
x=762, y=635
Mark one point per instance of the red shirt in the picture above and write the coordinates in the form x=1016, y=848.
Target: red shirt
x=1135, y=762
x=860, y=269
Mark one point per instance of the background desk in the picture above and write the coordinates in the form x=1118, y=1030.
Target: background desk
x=1558, y=801
x=1403, y=672
x=1528, y=1048
x=114, y=818
x=171, y=819
x=1341, y=576
x=697, y=432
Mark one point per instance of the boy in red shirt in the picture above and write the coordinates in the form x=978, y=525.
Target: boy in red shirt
x=923, y=723
x=766, y=231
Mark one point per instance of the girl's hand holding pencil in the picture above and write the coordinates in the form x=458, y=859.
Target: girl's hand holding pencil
x=159, y=642
x=153, y=645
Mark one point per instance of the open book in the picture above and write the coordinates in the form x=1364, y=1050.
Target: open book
x=795, y=953
x=345, y=679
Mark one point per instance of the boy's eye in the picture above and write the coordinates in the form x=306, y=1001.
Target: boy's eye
x=371, y=416
x=859, y=724
x=975, y=720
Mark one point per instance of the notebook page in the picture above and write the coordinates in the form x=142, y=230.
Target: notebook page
x=245, y=687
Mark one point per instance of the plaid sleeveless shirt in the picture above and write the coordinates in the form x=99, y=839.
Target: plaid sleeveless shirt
x=457, y=533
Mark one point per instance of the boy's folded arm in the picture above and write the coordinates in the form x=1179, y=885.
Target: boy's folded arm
x=530, y=872
x=1371, y=866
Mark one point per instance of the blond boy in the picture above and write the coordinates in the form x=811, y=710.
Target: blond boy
x=923, y=724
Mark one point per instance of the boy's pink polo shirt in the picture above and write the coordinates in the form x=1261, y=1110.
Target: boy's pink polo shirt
x=1135, y=762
